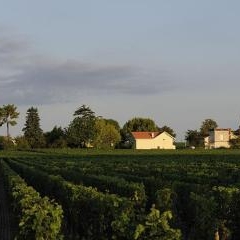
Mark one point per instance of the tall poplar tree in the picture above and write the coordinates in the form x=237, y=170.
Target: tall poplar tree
x=32, y=130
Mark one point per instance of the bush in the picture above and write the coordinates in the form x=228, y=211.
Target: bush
x=6, y=143
x=22, y=143
x=235, y=143
x=39, y=217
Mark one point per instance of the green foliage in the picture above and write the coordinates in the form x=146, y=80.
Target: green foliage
x=168, y=130
x=32, y=130
x=156, y=227
x=89, y=212
x=81, y=131
x=180, y=145
x=204, y=217
x=140, y=124
x=56, y=138
x=164, y=199
x=207, y=125
x=136, y=125
x=107, y=136
x=123, y=226
x=216, y=211
x=6, y=143
x=39, y=218
x=235, y=143
x=22, y=143
x=110, y=184
x=194, y=138
x=114, y=123
x=199, y=189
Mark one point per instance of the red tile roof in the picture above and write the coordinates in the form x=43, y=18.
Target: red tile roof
x=145, y=135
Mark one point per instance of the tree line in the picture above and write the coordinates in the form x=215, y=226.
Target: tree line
x=85, y=130
x=88, y=130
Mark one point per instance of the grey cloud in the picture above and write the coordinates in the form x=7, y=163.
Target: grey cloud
x=31, y=79
x=9, y=46
x=13, y=49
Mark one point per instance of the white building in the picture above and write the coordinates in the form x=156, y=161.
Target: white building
x=219, y=137
x=153, y=140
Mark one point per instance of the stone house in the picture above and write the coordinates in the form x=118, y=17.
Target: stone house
x=219, y=138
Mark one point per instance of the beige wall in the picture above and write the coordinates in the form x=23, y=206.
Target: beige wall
x=162, y=141
x=218, y=139
x=222, y=139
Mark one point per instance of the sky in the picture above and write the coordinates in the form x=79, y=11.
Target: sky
x=176, y=62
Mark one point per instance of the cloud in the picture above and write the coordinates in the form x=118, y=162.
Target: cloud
x=27, y=78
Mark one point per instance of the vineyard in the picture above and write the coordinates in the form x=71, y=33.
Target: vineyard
x=120, y=194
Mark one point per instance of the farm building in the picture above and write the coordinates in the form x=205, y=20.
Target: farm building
x=219, y=138
x=153, y=140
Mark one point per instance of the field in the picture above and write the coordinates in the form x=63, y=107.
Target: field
x=120, y=194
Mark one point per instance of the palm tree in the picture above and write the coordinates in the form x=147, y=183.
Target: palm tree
x=8, y=114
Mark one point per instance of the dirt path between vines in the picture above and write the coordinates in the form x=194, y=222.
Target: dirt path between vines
x=5, y=227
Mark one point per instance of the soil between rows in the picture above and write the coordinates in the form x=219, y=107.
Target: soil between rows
x=5, y=224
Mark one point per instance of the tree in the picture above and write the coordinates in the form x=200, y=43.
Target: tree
x=168, y=130
x=107, y=136
x=8, y=114
x=56, y=138
x=194, y=138
x=114, y=123
x=207, y=125
x=140, y=124
x=137, y=125
x=235, y=142
x=6, y=143
x=81, y=130
x=21, y=143
x=32, y=131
